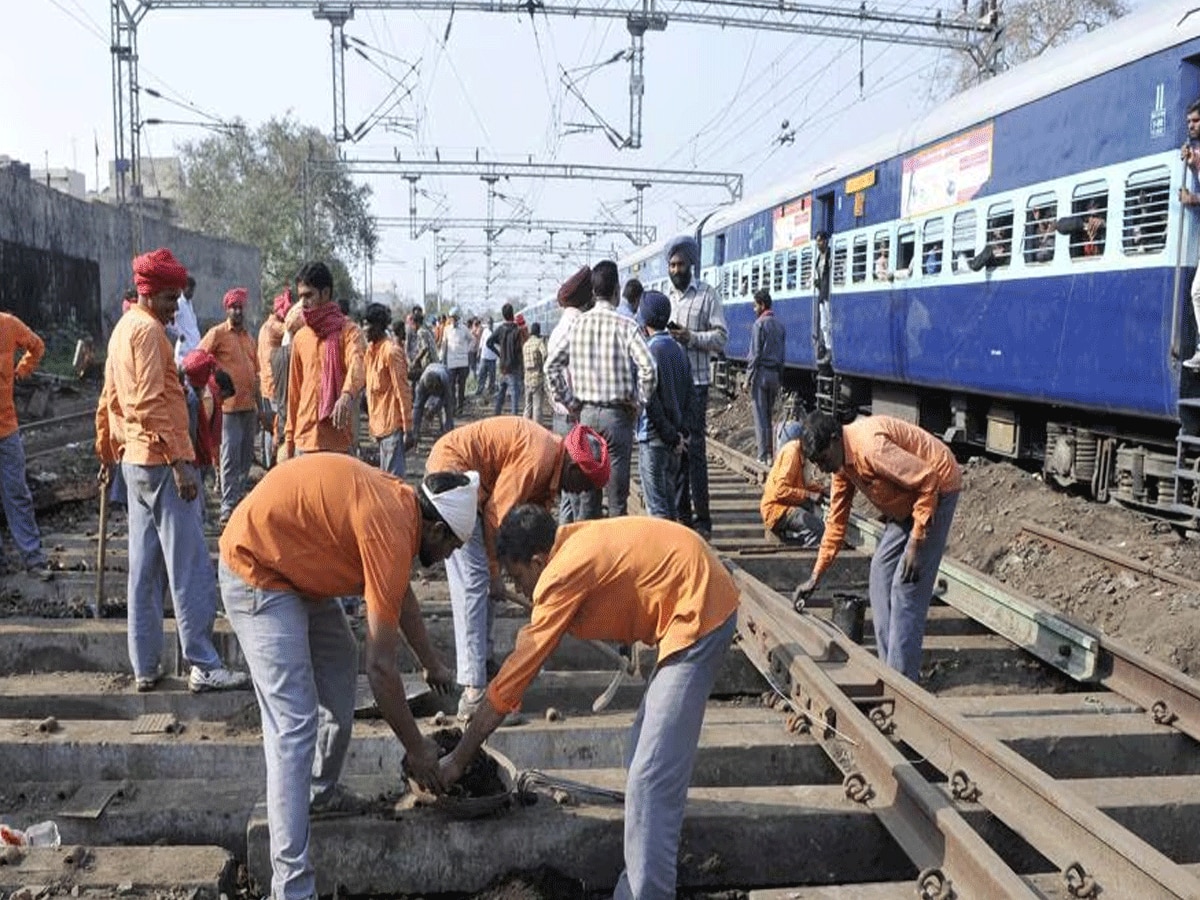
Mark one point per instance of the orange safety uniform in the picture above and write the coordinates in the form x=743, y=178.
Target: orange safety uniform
x=389, y=393
x=327, y=526
x=900, y=468
x=518, y=461
x=303, y=430
x=626, y=579
x=238, y=357
x=14, y=335
x=786, y=488
x=270, y=337
x=142, y=409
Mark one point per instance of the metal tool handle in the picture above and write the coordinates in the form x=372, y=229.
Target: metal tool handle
x=102, y=543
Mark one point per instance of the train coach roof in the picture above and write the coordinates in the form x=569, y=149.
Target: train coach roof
x=1149, y=30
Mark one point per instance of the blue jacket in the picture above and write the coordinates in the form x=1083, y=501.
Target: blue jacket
x=669, y=408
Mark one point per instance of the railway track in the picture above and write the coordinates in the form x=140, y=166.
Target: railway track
x=1050, y=762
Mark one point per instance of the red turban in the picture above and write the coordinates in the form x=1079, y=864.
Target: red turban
x=157, y=271
x=589, y=451
x=519, y=321
x=283, y=302
x=236, y=297
x=576, y=290
x=199, y=366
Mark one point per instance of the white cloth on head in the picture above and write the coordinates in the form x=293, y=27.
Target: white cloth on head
x=458, y=506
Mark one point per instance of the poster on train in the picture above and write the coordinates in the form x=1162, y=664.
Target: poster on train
x=792, y=225
x=947, y=173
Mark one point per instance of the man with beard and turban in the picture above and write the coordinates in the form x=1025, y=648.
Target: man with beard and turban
x=314, y=529
x=270, y=347
x=389, y=394
x=326, y=375
x=628, y=580
x=146, y=432
x=699, y=320
x=518, y=462
x=236, y=355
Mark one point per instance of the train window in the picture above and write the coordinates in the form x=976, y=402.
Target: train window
x=777, y=274
x=933, y=237
x=755, y=276
x=1041, y=215
x=999, y=235
x=858, y=260
x=962, y=239
x=1088, y=225
x=727, y=281
x=806, y=268
x=881, y=245
x=791, y=270
x=906, y=249
x=839, y=261
x=1147, y=196
x=765, y=284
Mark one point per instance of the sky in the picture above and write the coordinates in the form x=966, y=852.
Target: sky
x=715, y=99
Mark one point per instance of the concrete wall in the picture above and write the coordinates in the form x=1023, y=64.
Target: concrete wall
x=64, y=263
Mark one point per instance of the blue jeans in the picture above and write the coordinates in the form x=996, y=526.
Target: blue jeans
x=18, y=502
x=512, y=384
x=661, y=754
x=765, y=390
x=391, y=454
x=470, y=583
x=423, y=396
x=117, y=492
x=486, y=379
x=303, y=660
x=692, y=485
x=237, y=454
x=570, y=506
x=898, y=610
x=167, y=549
x=616, y=426
x=801, y=524
x=658, y=466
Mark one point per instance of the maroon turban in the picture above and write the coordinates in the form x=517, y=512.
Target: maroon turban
x=283, y=302
x=199, y=366
x=589, y=451
x=576, y=290
x=236, y=297
x=157, y=271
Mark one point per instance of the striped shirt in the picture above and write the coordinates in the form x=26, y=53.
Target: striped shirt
x=600, y=349
x=699, y=310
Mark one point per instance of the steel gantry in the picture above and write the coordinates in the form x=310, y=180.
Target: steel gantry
x=419, y=225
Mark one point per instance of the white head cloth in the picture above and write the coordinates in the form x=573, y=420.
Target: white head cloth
x=458, y=506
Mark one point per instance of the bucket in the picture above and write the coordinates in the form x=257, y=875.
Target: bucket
x=849, y=615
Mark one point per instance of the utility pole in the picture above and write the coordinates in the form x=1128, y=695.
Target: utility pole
x=491, y=235
x=337, y=14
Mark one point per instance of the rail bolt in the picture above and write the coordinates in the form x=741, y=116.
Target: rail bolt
x=963, y=788
x=881, y=718
x=1162, y=713
x=932, y=884
x=1078, y=882
x=858, y=788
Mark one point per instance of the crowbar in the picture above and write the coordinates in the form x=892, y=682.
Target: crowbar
x=102, y=543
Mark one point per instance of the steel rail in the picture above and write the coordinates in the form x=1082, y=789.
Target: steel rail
x=1076, y=836
x=40, y=424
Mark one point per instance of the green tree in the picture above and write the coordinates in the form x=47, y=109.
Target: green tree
x=251, y=185
x=1030, y=28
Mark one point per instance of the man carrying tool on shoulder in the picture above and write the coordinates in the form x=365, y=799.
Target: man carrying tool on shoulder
x=628, y=579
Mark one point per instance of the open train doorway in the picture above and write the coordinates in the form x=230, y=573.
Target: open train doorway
x=824, y=212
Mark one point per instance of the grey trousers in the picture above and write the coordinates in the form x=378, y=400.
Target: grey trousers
x=303, y=660
x=616, y=427
x=391, y=454
x=471, y=605
x=570, y=506
x=661, y=754
x=237, y=453
x=898, y=610
x=802, y=525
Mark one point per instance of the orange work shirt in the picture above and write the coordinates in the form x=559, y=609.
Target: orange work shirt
x=15, y=335
x=389, y=395
x=270, y=337
x=327, y=525
x=518, y=461
x=786, y=488
x=900, y=468
x=303, y=430
x=237, y=355
x=142, y=397
x=626, y=579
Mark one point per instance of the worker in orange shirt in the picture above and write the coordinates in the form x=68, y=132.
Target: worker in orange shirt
x=914, y=480
x=326, y=374
x=270, y=342
x=237, y=356
x=314, y=529
x=389, y=393
x=14, y=490
x=625, y=579
x=518, y=461
x=789, y=504
x=143, y=425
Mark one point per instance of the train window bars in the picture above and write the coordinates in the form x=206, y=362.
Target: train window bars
x=1147, y=197
x=791, y=269
x=906, y=249
x=1041, y=215
x=1000, y=234
x=806, y=268
x=962, y=239
x=881, y=244
x=777, y=273
x=755, y=276
x=727, y=282
x=1089, y=220
x=933, y=237
x=858, y=260
x=839, y=261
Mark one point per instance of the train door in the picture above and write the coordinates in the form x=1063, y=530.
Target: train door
x=824, y=213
